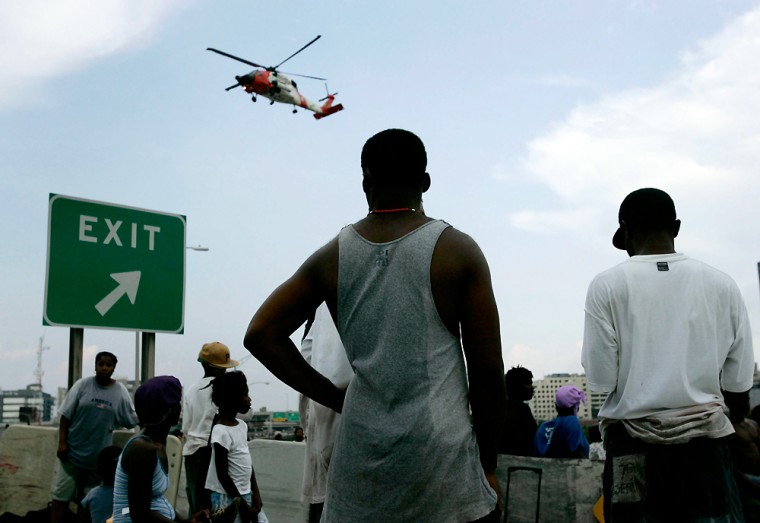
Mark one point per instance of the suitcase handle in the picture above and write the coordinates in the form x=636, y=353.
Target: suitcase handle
x=510, y=470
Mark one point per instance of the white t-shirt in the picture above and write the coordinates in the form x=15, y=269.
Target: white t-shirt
x=322, y=348
x=235, y=440
x=664, y=333
x=198, y=413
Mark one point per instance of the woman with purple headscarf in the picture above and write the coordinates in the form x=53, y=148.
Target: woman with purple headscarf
x=142, y=474
x=563, y=436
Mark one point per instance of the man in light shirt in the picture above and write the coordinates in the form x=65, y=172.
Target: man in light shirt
x=197, y=417
x=668, y=338
x=322, y=348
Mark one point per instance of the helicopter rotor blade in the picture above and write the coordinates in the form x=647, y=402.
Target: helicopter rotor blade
x=326, y=97
x=228, y=55
x=304, y=76
x=301, y=49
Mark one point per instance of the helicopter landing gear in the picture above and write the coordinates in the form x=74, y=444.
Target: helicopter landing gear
x=295, y=110
x=253, y=98
x=271, y=102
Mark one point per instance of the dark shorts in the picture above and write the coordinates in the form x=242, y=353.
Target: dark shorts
x=196, y=469
x=693, y=481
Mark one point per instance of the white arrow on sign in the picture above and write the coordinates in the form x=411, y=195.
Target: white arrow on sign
x=128, y=283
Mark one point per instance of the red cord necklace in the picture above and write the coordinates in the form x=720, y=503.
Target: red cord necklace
x=386, y=211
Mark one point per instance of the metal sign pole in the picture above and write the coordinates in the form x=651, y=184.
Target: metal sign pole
x=148, y=356
x=137, y=361
x=76, y=344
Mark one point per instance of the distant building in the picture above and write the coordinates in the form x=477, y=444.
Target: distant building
x=542, y=403
x=30, y=405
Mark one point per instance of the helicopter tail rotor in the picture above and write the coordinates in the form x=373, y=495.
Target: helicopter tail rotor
x=328, y=96
x=327, y=90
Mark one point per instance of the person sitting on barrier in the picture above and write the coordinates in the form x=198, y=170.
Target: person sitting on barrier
x=563, y=436
x=142, y=474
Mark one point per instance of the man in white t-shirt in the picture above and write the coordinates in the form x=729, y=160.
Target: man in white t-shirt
x=668, y=338
x=197, y=415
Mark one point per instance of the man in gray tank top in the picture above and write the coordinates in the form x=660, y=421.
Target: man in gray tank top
x=412, y=300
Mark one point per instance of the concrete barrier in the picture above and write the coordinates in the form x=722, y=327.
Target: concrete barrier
x=27, y=463
x=569, y=488
x=279, y=472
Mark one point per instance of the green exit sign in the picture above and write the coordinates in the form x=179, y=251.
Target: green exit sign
x=114, y=267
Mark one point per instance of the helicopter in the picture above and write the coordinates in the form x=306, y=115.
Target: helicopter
x=277, y=87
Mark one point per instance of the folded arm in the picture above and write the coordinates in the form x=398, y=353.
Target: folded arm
x=283, y=312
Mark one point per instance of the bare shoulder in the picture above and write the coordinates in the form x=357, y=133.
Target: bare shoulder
x=323, y=259
x=319, y=273
x=139, y=456
x=459, y=248
x=460, y=279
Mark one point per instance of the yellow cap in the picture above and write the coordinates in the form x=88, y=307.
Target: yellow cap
x=217, y=355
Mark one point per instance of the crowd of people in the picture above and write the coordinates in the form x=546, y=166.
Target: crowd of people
x=405, y=399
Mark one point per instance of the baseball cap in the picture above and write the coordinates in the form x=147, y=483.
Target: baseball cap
x=646, y=206
x=217, y=355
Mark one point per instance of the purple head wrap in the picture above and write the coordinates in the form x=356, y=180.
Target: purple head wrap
x=155, y=397
x=569, y=397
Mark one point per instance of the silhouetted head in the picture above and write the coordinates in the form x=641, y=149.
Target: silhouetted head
x=519, y=382
x=645, y=212
x=106, y=462
x=394, y=157
x=229, y=392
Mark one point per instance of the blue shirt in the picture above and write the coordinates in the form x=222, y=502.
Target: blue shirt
x=560, y=438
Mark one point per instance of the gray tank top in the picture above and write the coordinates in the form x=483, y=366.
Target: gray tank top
x=405, y=449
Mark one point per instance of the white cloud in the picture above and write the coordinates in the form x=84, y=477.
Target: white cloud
x=696, y=135
x=40, y=40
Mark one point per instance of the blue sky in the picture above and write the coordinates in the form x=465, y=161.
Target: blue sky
x=538, y=117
